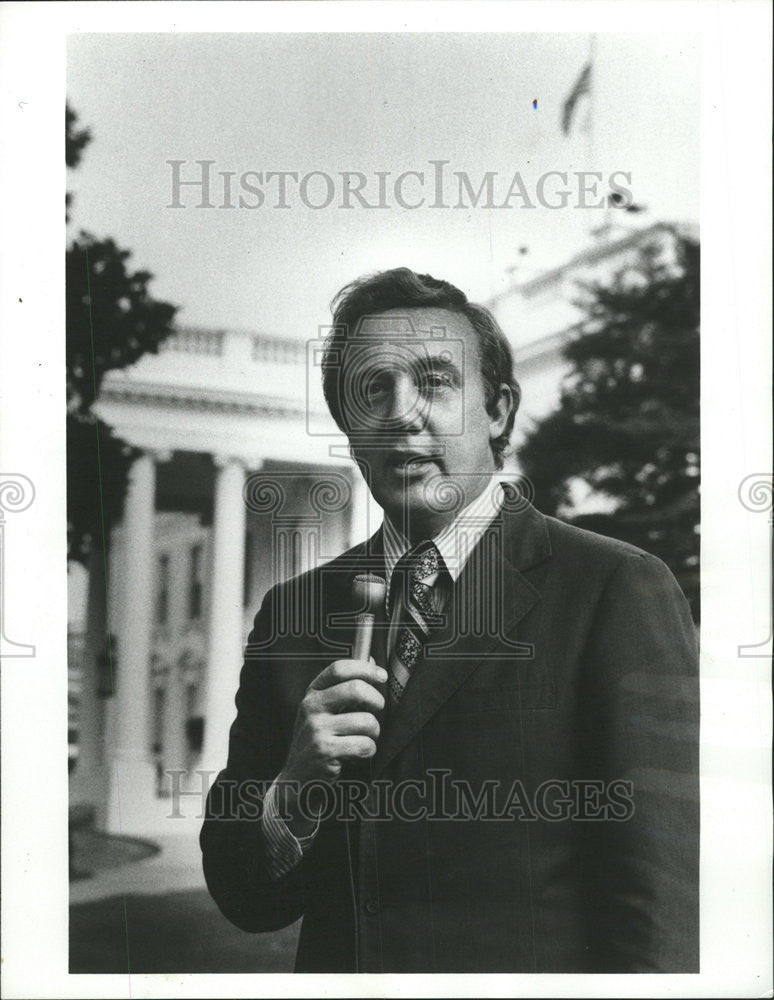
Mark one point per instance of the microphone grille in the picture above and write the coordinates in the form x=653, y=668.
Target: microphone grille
x=370, y=589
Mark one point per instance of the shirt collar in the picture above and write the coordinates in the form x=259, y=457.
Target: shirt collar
x=458, y=539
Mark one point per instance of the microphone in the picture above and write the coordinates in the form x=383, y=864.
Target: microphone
x=369, y=590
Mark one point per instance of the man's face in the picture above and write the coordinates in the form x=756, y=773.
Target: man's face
x=419, y=428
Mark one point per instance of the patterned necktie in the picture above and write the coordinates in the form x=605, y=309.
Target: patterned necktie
x=411, y=592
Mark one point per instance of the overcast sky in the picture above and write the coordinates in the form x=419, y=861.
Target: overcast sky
x=367, y=103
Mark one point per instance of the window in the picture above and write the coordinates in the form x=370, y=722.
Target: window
x=195, y=584
x=162, y=605
x=157, y=721
x=157, y=747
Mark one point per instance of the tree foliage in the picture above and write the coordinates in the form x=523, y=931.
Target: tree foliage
x=76, y=140
x=628, y=421
x=111, y=321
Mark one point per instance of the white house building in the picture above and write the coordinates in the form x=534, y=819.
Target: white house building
x=241, y=480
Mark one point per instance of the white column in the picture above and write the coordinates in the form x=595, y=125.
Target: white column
x=226, y=619
x=132, y=780
x=87, y=783
x=366, y=515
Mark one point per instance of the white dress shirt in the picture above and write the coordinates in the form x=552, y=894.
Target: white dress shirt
x=455, y=543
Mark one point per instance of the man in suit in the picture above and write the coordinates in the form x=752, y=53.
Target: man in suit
x=510, y=782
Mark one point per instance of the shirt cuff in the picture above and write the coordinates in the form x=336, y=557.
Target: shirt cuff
x=284, y=851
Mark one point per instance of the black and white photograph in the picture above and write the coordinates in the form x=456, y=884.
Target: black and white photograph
x=390, y=516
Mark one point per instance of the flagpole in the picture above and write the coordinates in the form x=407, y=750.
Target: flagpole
x=592, y=129
x=591, y=132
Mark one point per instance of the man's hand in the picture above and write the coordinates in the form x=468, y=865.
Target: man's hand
x=335, y=722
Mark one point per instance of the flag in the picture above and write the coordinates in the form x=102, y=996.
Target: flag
x=582, y=86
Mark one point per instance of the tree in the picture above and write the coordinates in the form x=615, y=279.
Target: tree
x=111, y=321
x=627, y=427
x=76, y=140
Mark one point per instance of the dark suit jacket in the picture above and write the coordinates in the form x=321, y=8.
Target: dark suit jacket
x=567, y=669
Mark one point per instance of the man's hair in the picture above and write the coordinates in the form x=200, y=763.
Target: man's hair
x=401, y=288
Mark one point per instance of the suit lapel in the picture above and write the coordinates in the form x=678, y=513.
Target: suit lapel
x=489, y=599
